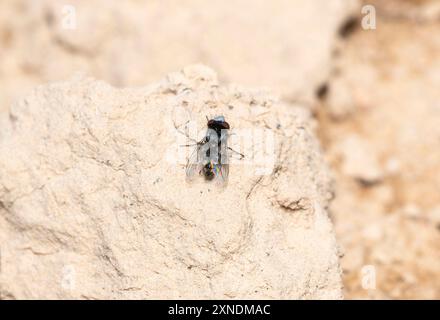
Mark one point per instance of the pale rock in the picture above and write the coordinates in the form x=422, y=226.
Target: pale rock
x=434, y=216
x=94, y=202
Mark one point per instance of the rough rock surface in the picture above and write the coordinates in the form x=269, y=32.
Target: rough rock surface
x=92, y=205
x=283, y=45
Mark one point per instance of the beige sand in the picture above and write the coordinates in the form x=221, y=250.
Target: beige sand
x=380, y=128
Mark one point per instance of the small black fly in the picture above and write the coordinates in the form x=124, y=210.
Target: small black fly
x=211, y=158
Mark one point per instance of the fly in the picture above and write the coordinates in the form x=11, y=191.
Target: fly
x=211, y=157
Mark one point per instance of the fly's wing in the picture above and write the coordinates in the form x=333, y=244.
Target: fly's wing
x=194, y=163
x=222, y=172
x=222, y=168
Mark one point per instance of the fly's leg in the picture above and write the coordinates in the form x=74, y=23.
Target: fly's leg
x=240, y=154
x=197, y=143
x=184, y=133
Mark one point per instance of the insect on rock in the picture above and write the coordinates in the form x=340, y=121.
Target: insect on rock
x=210, y=159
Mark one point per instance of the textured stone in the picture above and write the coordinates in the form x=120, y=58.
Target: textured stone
x=94, y=203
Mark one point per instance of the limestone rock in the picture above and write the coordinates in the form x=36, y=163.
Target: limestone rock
x=94, y=202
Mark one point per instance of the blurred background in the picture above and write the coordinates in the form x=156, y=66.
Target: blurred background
x=369, y=71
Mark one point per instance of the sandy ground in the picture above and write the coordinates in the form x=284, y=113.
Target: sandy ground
x=379, y=127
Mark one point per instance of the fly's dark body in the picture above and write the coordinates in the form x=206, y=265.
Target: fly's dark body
x=210, y=159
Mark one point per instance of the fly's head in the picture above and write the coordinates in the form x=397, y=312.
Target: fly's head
x=218, y=123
